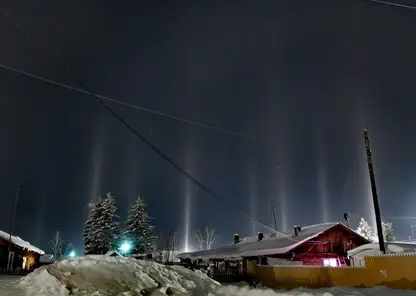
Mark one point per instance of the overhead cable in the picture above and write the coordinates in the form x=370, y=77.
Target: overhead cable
x=392, y=4
x=184, y=120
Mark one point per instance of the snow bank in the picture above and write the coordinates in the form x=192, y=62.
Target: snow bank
x=105, y=275
x=120, y=276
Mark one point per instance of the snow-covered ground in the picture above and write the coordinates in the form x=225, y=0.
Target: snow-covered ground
x=118, y=276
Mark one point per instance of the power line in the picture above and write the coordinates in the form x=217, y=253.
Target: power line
x=99, y=99
x=151, y=111
x=164, y=156
x=28, y=34
x=392, y=4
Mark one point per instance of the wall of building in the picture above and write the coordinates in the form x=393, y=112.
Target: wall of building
x=330, y=244
x=396, y=271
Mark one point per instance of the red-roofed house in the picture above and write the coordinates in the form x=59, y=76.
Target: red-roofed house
x=324, y=244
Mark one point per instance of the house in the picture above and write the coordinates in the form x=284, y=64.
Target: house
x=22, y=254
x=324, y=244
x=357, y=255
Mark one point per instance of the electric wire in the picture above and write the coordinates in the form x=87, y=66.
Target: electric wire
x=100, y=99
x=392, y=4
x=146, y=141
x=137, y=107
x=165, y=157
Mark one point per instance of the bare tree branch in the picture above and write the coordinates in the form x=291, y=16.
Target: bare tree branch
x=205, y=238
x=56, y=244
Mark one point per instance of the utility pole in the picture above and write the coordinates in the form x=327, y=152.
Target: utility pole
x=374, y=191
x=272, y=214
x=12, y=223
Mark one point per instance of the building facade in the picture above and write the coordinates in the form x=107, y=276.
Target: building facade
x=324, y=244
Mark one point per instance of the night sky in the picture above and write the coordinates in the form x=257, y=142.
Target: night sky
x=303, y=78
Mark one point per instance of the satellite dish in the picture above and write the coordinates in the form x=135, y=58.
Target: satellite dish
x=346, y=217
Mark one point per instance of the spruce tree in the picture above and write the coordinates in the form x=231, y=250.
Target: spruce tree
x=109, y=228
x=101, y=228
x=139, y=229
x=91, y=244
x=388, y=231
x=365, y=230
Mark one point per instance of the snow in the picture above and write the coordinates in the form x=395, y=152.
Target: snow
x=21, y=243
x=101, y=275
x=391, y=247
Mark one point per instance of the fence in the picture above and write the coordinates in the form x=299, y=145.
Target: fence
x=394, y=271
x=5, y=271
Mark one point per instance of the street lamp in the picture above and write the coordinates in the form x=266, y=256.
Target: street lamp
x=125, y=247
x=72, y=254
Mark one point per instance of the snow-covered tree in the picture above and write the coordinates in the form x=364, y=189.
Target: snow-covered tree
x=56, y=244
x=101, y=228
x=365, y=230
x=90, y=228
x=388, y=231
x=139, y=229
x=205, y=238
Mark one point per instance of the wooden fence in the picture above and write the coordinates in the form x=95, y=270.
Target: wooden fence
x=397, y=271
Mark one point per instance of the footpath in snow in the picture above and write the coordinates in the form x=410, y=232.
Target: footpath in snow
x=118, y=276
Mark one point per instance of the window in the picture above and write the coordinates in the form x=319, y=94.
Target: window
x=333, y=262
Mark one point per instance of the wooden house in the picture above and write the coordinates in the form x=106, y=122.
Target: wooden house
x=323, y=244
x=22, y=254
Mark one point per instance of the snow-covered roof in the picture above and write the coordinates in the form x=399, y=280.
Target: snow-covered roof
x=271, y=244
x=21, y=243
x=114, y=253
x=391, y=247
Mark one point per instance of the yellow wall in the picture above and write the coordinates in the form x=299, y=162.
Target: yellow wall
x=396, y=271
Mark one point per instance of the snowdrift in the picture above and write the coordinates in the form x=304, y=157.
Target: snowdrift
x=119, y=276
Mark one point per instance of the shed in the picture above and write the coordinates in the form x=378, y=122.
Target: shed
x=357, y=255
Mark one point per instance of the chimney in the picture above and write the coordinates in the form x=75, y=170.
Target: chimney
x=260, y=236
x=298, y=229
x=236, y=238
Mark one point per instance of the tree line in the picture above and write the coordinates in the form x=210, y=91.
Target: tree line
x=103, y=232
x=365, y=230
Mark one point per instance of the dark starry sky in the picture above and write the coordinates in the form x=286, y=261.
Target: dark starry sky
x=304, y=78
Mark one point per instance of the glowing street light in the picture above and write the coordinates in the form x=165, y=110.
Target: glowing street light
x=72, y=254
x=125, y=247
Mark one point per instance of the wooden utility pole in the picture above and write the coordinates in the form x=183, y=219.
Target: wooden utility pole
x=16, y=200
x=374, y=191
x=272, y=214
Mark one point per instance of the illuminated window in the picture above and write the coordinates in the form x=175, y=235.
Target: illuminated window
x=333, y=262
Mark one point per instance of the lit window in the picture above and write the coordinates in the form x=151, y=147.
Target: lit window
x=333, y=262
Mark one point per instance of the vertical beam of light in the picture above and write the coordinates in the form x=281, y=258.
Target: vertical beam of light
x=96, y=165
x=322, y=186
x=187, y=206
x=253, y=197
x=283, y=208
x=188, y=192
